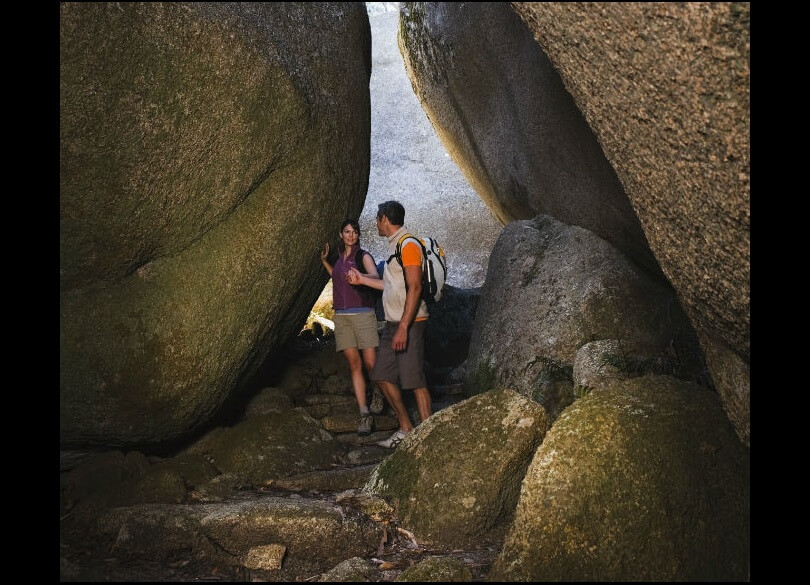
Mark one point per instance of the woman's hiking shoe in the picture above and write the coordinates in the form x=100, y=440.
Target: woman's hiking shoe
x=377, y=404
x=366, y=425
x=394, y=440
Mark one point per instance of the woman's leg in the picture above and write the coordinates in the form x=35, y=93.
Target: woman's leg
x=358, y=378
x=369, y=358
x=377, y=404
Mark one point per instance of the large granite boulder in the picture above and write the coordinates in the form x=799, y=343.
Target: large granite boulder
x=551, y=289
x=205, y=150
x=666, y=89
x=644, y=480
x=505, y=117
x=454, y=481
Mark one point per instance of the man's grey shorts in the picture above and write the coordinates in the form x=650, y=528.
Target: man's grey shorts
x=405, y=368
x=356, y=330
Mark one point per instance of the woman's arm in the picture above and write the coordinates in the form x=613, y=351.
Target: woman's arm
x=370, y=265
x=354, y=277
x=324, y=254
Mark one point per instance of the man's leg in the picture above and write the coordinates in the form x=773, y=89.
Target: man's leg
x=423, y=402
x=394, y=396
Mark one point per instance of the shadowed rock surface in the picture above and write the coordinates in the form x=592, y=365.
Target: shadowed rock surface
x=666, y=89
x=644, y=480
x=437, y=570
x=197, y=141
x=272, y=445
x=550, y=289
x=133, y=517
x=235, y=503
x=229, y=531
x=502, y=113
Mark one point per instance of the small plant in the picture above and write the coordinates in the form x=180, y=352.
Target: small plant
x=581, y=390
x=552, y=370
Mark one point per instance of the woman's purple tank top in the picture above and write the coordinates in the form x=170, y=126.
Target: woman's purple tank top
x=345, y=295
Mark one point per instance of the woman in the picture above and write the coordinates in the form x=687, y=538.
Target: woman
x=355, y=319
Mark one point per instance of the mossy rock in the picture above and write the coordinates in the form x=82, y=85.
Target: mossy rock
x=644, y=479
x=456, y=478
x=191, y=137
x=275, y=445
x=437, y=570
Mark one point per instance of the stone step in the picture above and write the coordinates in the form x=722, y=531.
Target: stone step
x=346, y=423
x=354, y=439
x=313, y=399
x=314, y=533
x=330, y=480
x=367, y=454
x=321, y=405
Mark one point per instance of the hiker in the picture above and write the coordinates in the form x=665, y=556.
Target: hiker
x=355, y=321
x=402, y=350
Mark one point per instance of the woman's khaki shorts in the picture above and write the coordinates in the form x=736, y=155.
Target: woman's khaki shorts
x=356, y=330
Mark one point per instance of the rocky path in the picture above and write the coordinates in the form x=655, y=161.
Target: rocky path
x=88, y=555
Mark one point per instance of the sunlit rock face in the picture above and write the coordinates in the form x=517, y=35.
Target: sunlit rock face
x=205, y=149
x=666, y=89
x=410, y=164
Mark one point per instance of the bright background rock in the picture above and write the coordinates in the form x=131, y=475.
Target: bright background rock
x=505, y=117
x=410, y=164
x=197, y=142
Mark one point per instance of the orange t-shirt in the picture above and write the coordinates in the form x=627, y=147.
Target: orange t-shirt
x=412, y=256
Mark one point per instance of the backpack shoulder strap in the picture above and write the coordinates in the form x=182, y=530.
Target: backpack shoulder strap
x=358, y=260
x=398, y=253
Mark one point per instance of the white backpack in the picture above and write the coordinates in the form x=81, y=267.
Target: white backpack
x=434, y=266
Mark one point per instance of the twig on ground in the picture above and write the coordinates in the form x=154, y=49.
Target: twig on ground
x=409, y=535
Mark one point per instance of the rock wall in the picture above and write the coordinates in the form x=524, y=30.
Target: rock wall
x=506, y=119
x=666, y=89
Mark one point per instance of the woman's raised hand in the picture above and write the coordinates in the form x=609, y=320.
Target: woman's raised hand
x=325, y=252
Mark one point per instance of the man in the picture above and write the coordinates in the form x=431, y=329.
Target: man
x=402, y=350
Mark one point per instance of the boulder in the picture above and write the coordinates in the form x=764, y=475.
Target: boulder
x=454, y=480
x=196, y=142
x=643, y=480
x=507, y=120
x=675, y=126
x=552, y=288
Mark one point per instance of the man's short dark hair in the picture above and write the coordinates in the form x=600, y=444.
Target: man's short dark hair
x=393, y=210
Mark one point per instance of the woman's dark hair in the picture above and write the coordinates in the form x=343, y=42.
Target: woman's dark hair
x=355, y=224
x=393, y=210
